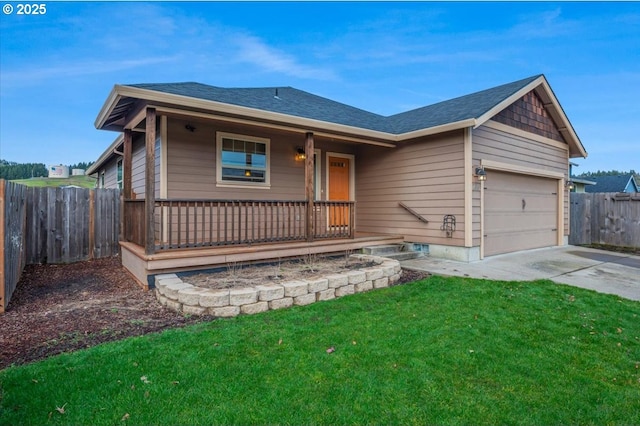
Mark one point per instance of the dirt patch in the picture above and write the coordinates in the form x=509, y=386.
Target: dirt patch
x=237, y=275
x=62, y=308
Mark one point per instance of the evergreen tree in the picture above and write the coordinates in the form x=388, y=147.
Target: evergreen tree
x=10, y=170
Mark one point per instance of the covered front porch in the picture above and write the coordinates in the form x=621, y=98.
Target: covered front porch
x=162, y=231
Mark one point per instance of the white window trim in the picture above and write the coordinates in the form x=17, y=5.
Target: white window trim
x=318, y=175
x=230, y=184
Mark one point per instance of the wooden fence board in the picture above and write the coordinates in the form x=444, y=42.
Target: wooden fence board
x=605, y=218
x=13, y=222
x=54, y=225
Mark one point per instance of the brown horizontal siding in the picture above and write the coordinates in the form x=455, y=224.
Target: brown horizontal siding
x=426, y=175
x=191, y=162
x=138, y=153
x=110, y=171
x=491, y=144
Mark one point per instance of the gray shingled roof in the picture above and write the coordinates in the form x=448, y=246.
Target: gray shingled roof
x=609, y=183
x=291, y=101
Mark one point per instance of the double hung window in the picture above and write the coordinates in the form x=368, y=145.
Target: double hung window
x=242, y=160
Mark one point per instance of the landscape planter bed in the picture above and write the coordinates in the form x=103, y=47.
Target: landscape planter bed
x=172, y=292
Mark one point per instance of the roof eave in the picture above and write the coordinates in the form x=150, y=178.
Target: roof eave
x=107, y=107
x=161, y=98
x=542, y=87
x=448, y=127
x=106, y=155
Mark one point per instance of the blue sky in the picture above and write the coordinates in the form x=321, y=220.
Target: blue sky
x=57, y=69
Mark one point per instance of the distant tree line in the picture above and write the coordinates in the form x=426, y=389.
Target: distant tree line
x=599, y=173
x=10, y=170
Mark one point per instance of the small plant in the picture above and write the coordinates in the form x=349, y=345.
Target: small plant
x=276, y=272
x=347, y=257
x=234, y=269
x=310, y=262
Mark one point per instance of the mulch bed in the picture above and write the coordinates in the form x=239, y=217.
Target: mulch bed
x=62, y=308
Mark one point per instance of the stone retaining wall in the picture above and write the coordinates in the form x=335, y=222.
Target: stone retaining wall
x=175, y=294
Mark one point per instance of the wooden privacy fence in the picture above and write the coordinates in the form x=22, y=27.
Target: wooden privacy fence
x=12, y=238
x=67, y=225
x=605, y=218
x=54, y=225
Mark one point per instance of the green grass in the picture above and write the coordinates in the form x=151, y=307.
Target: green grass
x=81, y=181
x=439, y=351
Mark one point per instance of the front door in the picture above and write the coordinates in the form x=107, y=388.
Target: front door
x=339, y=190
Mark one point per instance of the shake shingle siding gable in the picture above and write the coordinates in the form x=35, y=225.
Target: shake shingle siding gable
x=294, y=102
x=463, y=108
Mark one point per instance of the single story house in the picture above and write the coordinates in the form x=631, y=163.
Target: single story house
x=579, y=185
x=215, y=175
x=619, y=183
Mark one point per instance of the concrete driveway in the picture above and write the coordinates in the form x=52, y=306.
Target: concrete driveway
x=602, y=271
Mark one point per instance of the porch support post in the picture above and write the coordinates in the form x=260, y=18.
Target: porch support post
x=150, y=181
x=127, y=164
x=308, y=179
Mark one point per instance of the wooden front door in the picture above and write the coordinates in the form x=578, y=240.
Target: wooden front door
x=339, y=189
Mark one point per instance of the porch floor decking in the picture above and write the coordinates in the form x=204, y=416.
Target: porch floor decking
x=143, y=267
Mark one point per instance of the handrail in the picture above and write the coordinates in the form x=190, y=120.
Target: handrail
x=188, y=223
x=413, y=212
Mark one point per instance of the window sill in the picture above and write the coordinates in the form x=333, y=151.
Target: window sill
x=243, y=185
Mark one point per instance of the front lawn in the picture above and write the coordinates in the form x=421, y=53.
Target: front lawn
x=438, y=351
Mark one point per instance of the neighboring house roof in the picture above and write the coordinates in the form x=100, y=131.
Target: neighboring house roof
x=620, y=183
x=582, y=181
x=287, y=106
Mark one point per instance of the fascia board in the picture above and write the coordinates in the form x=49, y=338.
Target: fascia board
x=108, y=106
x=508, y=101
x=106, y=155
x=568, y=131
x=544, y=90
x=176, y=112
x=207, y=105
x=328, y=128
x=470, y=122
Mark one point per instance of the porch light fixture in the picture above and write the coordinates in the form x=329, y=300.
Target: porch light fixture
x=247, y=173
x=570, y=185
x=300, y=155
x=481, y=173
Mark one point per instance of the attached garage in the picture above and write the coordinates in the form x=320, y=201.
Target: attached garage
x=520, y=212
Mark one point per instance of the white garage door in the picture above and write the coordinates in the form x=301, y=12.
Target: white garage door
x=520, y=212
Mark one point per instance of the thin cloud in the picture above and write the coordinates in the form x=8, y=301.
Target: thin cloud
x=548, y=24
x=255, y=51
x=39, y=74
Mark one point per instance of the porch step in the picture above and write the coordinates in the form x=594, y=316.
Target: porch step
x=394, y=251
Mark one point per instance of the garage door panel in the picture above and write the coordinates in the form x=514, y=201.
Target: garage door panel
x=520, y=212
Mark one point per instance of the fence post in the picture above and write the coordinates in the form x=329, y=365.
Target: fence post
x=92, y=223
x=3, y=242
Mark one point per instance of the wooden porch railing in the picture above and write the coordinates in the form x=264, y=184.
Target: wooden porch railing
x=182, y=223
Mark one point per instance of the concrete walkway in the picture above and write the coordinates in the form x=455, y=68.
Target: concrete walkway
x=602, y=271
